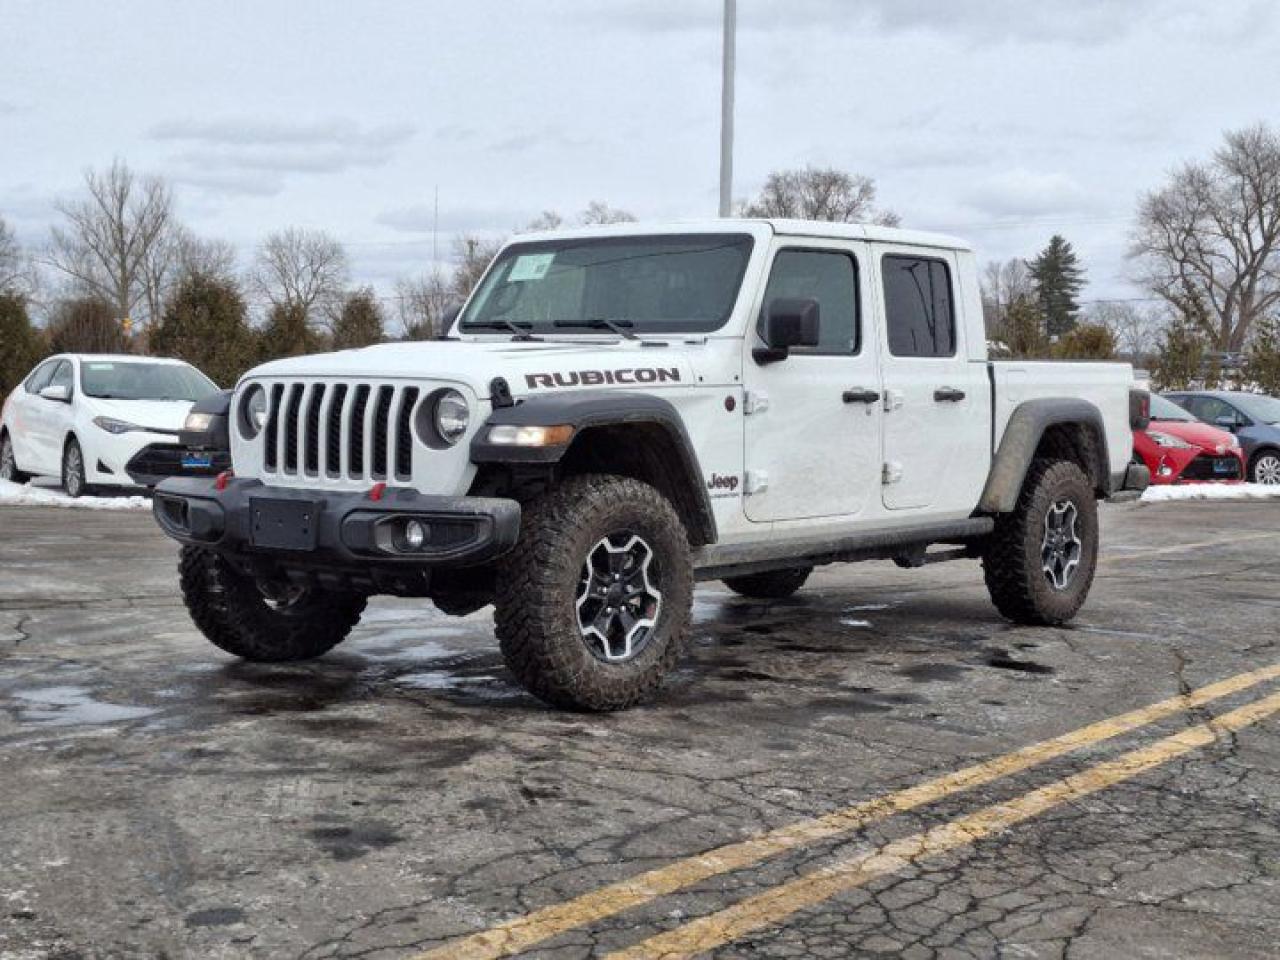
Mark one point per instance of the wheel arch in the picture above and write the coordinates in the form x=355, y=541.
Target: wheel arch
x=628, y=434
x=1066, y=428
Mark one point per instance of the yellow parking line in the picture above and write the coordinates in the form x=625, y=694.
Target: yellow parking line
x=520, y=933
x=775, y=904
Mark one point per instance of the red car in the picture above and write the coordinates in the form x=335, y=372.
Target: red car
x=1178, y=448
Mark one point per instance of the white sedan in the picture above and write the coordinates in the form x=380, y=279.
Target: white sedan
x=99, y=419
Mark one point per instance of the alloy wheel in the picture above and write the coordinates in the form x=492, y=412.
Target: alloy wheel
x=73, y=470
x=1061, y=549
x=1267, y=470
x=618, y=602
x=7, y=464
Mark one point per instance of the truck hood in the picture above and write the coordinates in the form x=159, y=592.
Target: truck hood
x=528, y=367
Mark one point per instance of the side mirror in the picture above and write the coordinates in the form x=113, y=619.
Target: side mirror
x=789, y=323
x=60, y=394
x=1227, y=423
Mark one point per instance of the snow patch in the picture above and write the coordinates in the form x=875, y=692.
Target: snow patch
x=35, y=495
x=1211, y=491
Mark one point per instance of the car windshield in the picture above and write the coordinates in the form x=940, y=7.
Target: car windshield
x=1162, y=409
x=657, y=284
x=126, y=380
x=1258, y=407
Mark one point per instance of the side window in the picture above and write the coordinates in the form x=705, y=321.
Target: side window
x=1211, y=410
x=1193, y=405
x=829, y=277
x=918, y=307
x=39, y=378
x=62, y=376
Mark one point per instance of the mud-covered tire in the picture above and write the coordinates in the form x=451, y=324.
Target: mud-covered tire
x=539, y=584
x=74, y=480
x=774, y=585
x=235, y=615
x=8, y=464
x=1014, y=560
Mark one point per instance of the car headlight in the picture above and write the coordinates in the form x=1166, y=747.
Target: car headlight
x=452, y=416
x=1168, y=440
x=197, y=422
x=112, y=425
x=253, y=411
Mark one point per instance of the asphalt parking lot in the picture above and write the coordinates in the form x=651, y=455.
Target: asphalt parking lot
x=868, y=769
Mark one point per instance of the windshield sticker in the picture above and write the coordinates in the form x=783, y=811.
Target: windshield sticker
x=102, y=366
x=530, y=266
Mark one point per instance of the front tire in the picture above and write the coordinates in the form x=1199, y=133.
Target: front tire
x=774, y=585
x=267, y=623
x=593, y=603
x=8, y=463
x=74, y=481
x=1040, y=560
x=1265, y=468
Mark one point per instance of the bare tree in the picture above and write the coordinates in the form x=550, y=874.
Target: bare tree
x=473, y=255
x=421, y=305
x=110, y=237
x=1213, y=232
x=815, y=193
x=1136, y=331
x=599, y=212
x=11, y=259
x=1003, y=284
x=303, y=270
x=546, y=220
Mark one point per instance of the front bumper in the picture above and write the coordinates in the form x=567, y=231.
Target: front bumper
x=159, y=461
x=328, y=534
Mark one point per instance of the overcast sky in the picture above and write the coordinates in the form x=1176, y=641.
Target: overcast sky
x=1001, y=120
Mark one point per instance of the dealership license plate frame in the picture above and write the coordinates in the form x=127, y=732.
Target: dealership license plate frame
x=1224, y=468
x=284, y=524
x=197, y=461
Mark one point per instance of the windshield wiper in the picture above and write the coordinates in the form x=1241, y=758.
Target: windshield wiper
x=618, y=326
x=519, y=327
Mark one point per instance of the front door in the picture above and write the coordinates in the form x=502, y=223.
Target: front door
x=937, y=416
x=813, y=420
x=49, y=420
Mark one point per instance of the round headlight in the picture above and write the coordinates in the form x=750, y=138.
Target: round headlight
x=253, y=411
x=452, y=416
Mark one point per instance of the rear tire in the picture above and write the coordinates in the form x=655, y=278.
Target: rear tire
x=74, y=481
x=1040, y=561
x=774, y=585
x=598, y=558
x=8, y=464
x=236, y=614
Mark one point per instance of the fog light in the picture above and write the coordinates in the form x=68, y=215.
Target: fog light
x=415, y=535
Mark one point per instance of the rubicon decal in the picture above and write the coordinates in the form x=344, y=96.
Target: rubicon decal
x=596, y=378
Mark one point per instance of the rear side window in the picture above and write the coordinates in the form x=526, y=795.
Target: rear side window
x=830, y=278
x=918, y=307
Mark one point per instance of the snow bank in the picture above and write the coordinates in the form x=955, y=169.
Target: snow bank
x=39, y=495
x=1211, y=491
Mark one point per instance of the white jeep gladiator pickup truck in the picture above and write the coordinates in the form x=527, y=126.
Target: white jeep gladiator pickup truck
x=618, y=412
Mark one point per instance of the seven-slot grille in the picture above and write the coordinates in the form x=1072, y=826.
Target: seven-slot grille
x=346, y=431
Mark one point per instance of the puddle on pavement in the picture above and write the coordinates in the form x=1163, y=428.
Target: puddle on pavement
x=69, y=706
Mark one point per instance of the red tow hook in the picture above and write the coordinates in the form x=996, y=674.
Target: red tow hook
x=222, y=480
x=376, y=491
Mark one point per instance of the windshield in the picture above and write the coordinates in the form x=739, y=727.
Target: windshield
x=1162, y=409
x=113, y=380
x=660, y=284
x=1257, y=407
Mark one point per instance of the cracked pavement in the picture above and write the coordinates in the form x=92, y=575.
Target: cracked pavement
x=160, y=799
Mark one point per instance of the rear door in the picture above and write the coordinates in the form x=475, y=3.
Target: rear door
x=812, y=426
x=23, y=409
x=936, y=417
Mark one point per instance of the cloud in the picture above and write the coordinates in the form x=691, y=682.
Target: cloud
x=7, y=108
x=420, y=218
x=1026, y=193
x=535, y=139
x=249, y=157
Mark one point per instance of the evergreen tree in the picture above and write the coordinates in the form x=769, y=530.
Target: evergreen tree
x=287, y=333
x=1023, y=330
x=21, y=345
x=86, y=325
x=205, y=324
x=1058, y=279
x=1262, y=361
x=1181, y=355
x=359, y=324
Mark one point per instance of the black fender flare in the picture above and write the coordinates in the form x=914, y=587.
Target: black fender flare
x=1022, y=435
x=586, y=409
x=218, y=436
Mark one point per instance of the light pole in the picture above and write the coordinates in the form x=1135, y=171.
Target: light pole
x=726, y=107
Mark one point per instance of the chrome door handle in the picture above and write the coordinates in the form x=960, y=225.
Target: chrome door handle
x=857, y=395
x=948, y=395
